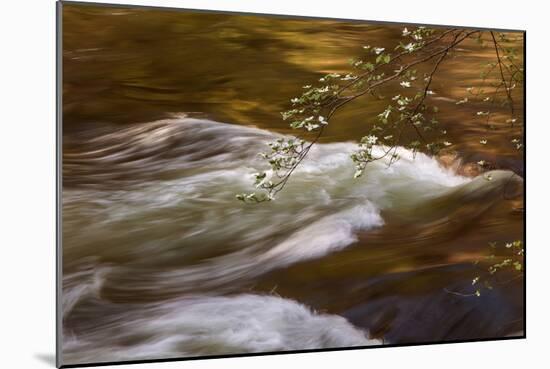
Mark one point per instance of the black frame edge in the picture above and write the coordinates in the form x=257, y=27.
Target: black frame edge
x=58, y=181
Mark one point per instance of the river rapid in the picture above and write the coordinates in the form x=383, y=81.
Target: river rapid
x=161, y=260
x=164, y=114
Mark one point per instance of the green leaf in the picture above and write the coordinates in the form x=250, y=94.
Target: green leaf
x=383, y=58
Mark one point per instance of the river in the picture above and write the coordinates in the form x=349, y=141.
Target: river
x=164, y=114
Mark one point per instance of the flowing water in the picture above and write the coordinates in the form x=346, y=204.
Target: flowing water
x=164, y=115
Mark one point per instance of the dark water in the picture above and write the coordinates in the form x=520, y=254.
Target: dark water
x=161, y=261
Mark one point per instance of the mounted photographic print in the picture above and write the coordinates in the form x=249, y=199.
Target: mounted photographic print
x=241, y=184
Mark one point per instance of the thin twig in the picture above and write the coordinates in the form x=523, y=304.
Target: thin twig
x=508, y=93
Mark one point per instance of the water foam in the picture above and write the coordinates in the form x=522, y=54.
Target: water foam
x=154, y=215
x=191, y=229
x=208, y=325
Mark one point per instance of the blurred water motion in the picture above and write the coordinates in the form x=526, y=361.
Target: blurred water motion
x=164, y=114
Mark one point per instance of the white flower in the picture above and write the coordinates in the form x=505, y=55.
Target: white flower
x=481, y=163
x=396, y=97
x=358, y=173
x=482, y=113
x=294, y=100
x=406, y=32
x=322, y=120
x=430, y=92
x=409, y=47
x=366, y=47
x=348, y=77
x=371, y=140
x=405, y=84
x=311, y=127
x=378, y=50
x=306, y=86
x=483, y=142
x=404, y=101
x=447, y=143
x=385, y=114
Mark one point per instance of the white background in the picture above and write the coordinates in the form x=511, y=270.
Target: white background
x=27, y=182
